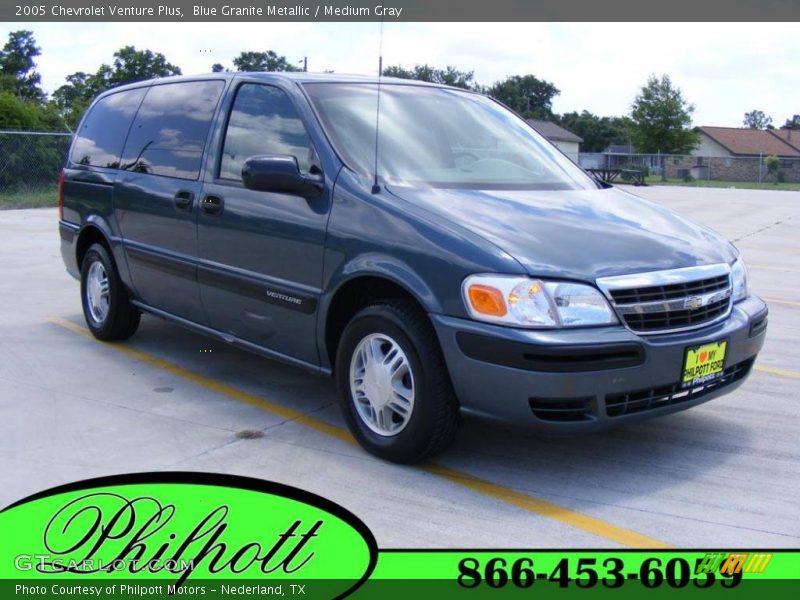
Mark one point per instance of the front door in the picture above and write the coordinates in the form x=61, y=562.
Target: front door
x=261, y=253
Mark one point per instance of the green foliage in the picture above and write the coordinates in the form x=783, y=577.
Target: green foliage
x=263, y=61
x=792, y=123
x=447, y=76
x=72, y=99
x=41, y=197
x=18, y=66
x=757, y=119
x=597, y=132
x=129, y=65
x=30, y=162
x=772, y=164
x=218, y=68
x=661, y=119
x=17, y=113
x=528, y=95
x=687, y=177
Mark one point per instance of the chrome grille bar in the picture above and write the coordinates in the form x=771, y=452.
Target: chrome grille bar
x=672, y=300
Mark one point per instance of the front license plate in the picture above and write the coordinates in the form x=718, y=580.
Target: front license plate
x=704, y=363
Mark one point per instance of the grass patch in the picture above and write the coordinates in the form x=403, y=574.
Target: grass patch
x=742, y=185
x=40, y=198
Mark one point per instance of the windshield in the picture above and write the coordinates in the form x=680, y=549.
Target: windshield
x=440, y=137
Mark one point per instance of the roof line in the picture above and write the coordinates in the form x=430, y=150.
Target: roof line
x=785, y=141
x=704, y=129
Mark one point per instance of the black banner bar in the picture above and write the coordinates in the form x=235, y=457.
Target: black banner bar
x=400, y=10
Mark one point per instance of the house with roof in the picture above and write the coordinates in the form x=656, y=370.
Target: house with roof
x=565, y=140
x=737, y=154
x=790, y=136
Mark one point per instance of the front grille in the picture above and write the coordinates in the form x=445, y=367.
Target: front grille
x=618, y=405
x=676, y=319
x=673, y=300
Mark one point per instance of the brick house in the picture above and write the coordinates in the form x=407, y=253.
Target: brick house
x=737, y=154
x=565, y=140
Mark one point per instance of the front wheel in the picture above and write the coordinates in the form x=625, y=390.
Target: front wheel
x=106, y=306
x=394, y=388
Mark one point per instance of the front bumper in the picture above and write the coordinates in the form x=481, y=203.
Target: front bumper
x=585, y=379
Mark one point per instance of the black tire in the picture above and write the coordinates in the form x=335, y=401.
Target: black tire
x=435, y=417
x=122, y=318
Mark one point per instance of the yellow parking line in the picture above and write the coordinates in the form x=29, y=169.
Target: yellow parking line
x=777, y=371
x=598, y=527
x=776, y=301
x=595, y=526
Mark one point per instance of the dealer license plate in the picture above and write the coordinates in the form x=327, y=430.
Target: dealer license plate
x=704, y=364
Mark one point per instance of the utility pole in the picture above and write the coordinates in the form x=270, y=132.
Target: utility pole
x=305, y=64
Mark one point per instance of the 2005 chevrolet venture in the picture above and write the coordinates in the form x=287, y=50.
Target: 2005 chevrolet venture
x=421, y=244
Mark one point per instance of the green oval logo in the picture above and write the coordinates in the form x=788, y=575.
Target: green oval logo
x=178, y=529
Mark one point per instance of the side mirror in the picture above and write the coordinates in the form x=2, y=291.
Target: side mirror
x=279, y=173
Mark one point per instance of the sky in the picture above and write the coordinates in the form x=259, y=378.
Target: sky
x=724, y=69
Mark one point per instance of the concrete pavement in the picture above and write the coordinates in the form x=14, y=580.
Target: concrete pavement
x=726, y=473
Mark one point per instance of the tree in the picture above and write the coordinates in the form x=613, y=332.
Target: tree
x=72, y=98
x=218, y=68
x=447, y=76
x=528, y=95
x=129, y=65
x=263, y=61
x=597, y=132
x=792, y=123
x=661, y=119
x=757, y=119
x=18, y=66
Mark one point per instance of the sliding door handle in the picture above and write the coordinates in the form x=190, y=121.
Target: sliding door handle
x=184, y=199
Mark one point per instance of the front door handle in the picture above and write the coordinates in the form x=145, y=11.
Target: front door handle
x=184, y=199
x=212, y=205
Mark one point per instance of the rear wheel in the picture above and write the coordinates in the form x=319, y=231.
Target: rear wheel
x=394, y=388
x=107, y=308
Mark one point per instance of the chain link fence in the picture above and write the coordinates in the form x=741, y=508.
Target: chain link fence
x=688, y=168
x=30, y=162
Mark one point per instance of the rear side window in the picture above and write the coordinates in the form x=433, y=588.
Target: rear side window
x=263, y=121
x=102, y=134
x=169, y=133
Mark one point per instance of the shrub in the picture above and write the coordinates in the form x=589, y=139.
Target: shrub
x=772, y=164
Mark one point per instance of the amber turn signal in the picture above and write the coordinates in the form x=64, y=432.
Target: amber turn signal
x=487, y=300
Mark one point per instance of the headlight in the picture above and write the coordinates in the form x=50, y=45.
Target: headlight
x=526, y=302
x=739, y=280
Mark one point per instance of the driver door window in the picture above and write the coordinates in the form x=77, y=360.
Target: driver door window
x=263, y=121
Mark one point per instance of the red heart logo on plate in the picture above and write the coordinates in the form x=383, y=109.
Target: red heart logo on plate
x=703, y=356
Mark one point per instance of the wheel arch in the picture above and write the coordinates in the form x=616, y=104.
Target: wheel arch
x=360, y=289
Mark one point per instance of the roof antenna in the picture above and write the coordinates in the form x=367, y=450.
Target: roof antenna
x=375, y=186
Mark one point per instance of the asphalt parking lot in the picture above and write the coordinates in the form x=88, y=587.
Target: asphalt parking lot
x=726, y=473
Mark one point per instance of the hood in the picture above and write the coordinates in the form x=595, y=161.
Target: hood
x=576, y=234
